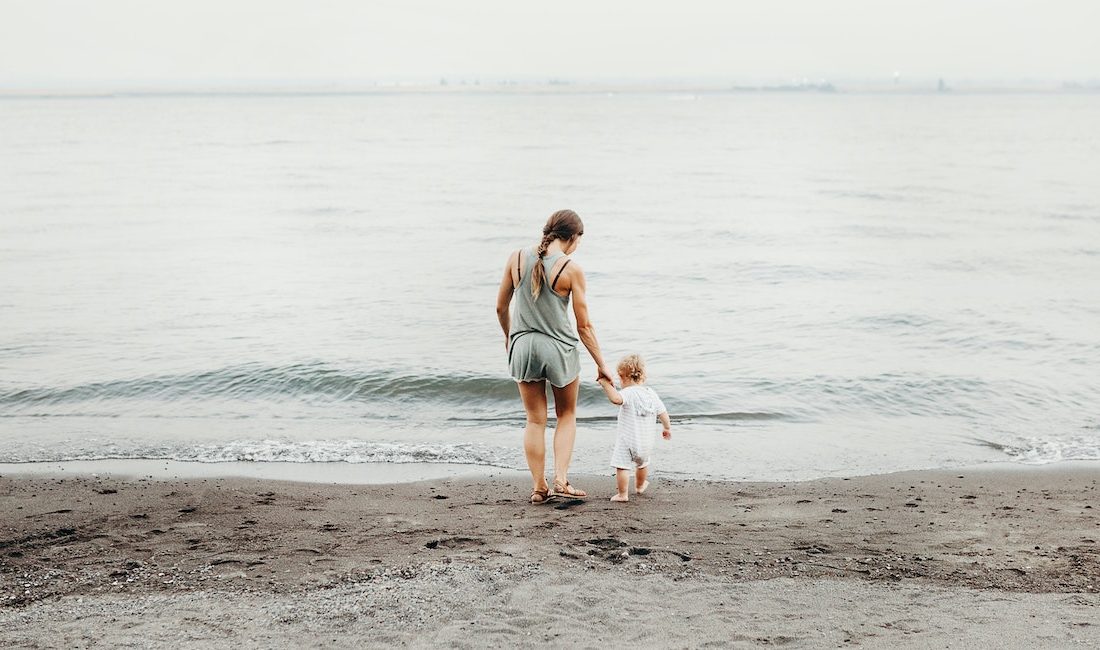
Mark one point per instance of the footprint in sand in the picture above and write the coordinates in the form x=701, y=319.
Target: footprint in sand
x=454, y=542
x=606, y=543
x=814, y=548
x=608, y=548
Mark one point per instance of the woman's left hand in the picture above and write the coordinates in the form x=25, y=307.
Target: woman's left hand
x=603, y=373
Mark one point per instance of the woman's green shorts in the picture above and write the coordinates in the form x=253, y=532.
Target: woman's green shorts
x=533, y=356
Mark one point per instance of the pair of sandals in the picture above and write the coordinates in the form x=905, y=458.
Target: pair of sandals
x=559, y=489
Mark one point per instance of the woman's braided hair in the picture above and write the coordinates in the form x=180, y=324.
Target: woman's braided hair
x=563, y=225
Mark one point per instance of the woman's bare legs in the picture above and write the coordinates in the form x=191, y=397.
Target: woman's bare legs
x=565, y=433
x=533, y=394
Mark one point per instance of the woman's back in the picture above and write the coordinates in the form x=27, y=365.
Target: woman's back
x=547, y=313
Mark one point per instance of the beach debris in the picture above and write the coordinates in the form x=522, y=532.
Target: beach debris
x=454, y=542
x=225, y=560
x=54, y=512
x=606, y=543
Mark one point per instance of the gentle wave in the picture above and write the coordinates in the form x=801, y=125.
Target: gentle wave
x=276, y=451
x=682, y=418
x=254, y=381
x=233, y=391
x=1042, y=451
x=229, y=391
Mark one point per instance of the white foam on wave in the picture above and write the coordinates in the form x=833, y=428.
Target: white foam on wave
x=281, y=451
x=1042, y=451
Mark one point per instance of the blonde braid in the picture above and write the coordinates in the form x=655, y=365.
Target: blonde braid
x=564, y=225
x=539, y=272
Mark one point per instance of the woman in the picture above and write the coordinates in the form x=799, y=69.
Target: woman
x=542, y=345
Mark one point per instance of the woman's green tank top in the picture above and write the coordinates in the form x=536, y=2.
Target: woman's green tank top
x=547, y=313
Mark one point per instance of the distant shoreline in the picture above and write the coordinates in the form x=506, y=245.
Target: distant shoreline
x=524, y=88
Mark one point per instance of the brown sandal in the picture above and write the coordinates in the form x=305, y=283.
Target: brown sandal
x=567, y=490
x=539, y=497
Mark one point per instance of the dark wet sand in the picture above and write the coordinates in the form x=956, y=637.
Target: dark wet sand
x=1009, y=557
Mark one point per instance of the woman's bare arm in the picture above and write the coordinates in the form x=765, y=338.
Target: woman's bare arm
x=504, y=297
x=585, y=330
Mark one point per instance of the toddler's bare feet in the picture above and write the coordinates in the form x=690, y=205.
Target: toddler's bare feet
x=643, y=487
x=620, y=498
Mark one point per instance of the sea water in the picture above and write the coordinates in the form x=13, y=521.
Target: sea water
x=821, y=284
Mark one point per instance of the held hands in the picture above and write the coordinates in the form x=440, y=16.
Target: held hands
x=602, y=374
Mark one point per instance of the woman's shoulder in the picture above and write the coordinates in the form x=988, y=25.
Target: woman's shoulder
x=519, y=256
x=570, y=268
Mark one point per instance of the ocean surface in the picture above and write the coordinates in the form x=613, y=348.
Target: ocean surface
x=822, y=285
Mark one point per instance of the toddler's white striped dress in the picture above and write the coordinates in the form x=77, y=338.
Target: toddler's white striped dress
x=637, y=427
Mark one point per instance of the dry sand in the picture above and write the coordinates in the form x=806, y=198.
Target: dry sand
x=975, y=558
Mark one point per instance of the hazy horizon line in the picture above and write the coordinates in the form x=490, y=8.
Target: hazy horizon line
x=473, y=83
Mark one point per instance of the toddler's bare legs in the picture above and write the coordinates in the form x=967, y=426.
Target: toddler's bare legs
x=640, y=482
x=622, y=480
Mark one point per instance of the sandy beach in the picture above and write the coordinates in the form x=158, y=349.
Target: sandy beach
x=1006, y=557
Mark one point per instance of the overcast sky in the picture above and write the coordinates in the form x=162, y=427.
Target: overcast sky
x=85, y=42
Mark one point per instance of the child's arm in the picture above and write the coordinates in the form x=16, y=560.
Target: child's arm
x=667, y=424
x=609, y=389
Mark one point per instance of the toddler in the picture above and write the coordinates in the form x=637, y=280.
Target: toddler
x=639, y=407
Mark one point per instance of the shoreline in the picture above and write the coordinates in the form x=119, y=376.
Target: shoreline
x=342, y=473
x=1010, y=558
x=325, y=472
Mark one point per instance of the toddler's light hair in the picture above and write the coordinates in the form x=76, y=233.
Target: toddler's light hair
x=633, y=366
